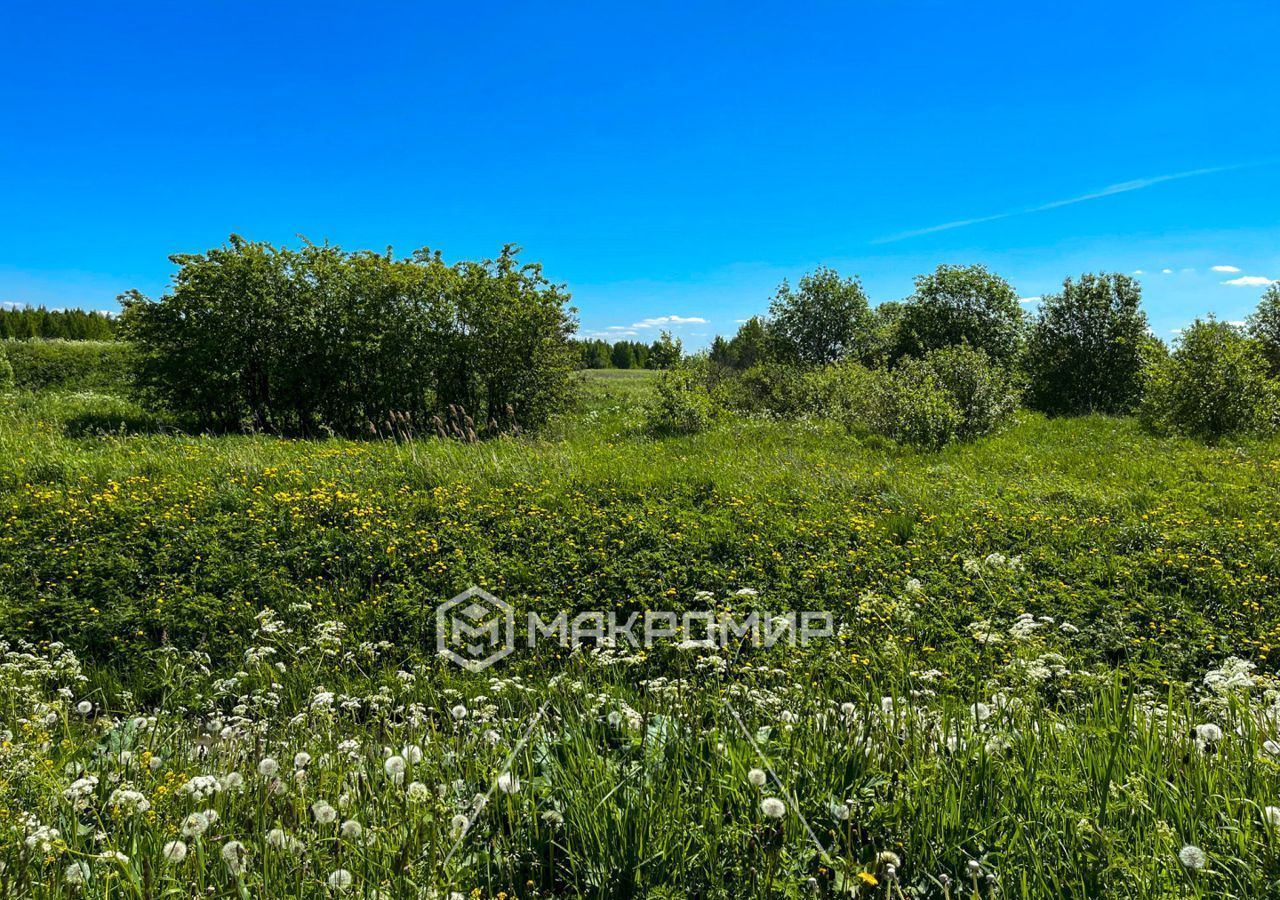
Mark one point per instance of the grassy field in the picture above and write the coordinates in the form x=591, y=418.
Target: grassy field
x=1052, y=674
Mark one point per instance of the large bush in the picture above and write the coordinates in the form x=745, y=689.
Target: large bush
x=298, y=341
x=912, y=406
x=1086, y=347
x=40, y=365
x=1214, y=384
x=682, y=402
x=961, y=305
x=981, y=390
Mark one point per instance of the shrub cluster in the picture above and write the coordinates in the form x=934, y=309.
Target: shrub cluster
x=953, y=393
x=318, y=339
x=949, y=362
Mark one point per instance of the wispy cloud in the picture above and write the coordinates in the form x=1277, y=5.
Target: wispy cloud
x=1249, y=281
x=1224, y=269
x=1028, y=299
x=1123, y=187
x=659, y=321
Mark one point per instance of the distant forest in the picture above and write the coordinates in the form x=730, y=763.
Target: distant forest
x=31, y=322
x=664, y=353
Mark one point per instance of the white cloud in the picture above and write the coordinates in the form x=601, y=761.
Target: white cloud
x=12, y=304
x=1249, y=281
x=1166, y=271
x=1028, y=299
x=658, y=321
x=1231, y=269
x=1238, y=323
x=1138, y=272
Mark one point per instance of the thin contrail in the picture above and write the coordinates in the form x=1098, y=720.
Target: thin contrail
x=1122, y=188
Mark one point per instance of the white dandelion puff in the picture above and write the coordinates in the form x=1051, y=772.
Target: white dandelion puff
x=1192, y=857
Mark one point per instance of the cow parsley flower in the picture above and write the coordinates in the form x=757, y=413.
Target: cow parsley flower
x=77, y=873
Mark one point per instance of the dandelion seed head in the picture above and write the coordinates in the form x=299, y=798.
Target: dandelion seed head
x=773, y=808
x=1192, y=857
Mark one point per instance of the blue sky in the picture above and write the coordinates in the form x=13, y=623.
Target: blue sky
x=669, y=161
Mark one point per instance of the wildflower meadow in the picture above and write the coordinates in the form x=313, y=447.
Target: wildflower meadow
x=1051, y=675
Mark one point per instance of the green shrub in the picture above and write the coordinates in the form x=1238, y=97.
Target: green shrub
x=40, y=365
x=6, y=372
x=682, y=402
x=981, y=390
x=778, y=389
x=911, y=405
x=1213, y=385
x=842, y=392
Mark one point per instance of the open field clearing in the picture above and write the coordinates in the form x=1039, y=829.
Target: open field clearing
x=1049, y=676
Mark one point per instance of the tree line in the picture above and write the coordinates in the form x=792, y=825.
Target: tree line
x=319, y=340
x=663, y=353
x=1088, y=348
x=34, y=322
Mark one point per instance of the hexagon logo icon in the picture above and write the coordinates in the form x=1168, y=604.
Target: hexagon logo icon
x=475, y=629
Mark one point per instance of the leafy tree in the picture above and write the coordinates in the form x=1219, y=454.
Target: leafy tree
x=666, y=352
x=1264, y=326
x=825, y=319
x=961, y=305
x=1213, y=385
x=1085, y=351
x=621, y=356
